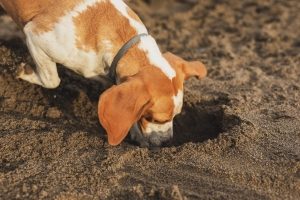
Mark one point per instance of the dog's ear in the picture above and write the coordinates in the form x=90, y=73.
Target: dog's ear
x=188, y=69
x=120, y=107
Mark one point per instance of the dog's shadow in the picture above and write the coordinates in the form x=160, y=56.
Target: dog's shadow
x=2, y=11
x=72, y=85
x=76, y=97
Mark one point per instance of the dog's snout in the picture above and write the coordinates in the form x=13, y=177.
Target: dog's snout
x=153, y=139
x=157, y=138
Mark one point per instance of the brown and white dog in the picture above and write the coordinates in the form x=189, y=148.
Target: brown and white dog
x=85, y=36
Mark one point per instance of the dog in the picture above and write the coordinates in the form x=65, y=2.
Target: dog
x=105, y=38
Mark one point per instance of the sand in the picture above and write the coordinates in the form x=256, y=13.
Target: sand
x=238, y=136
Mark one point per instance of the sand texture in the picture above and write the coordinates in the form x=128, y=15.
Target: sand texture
x=238, y=136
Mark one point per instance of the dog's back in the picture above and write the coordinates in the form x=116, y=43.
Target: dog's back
x=22, y=11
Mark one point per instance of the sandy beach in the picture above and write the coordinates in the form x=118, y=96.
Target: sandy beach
x=238, y=136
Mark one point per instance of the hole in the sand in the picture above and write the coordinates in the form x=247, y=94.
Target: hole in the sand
x=196, y=125
x=200, y=123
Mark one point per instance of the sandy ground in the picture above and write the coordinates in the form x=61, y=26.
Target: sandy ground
x=238, y=136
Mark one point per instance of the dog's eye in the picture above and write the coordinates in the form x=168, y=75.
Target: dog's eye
x=149, y=119
x=158, y=122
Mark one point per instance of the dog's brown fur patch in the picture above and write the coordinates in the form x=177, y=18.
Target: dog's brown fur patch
x=44, y=13
x=103, y=21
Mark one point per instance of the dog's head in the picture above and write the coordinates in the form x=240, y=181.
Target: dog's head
x=146, y=103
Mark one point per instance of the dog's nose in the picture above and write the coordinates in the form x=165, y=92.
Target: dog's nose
x=153, y=139
x=157, y=138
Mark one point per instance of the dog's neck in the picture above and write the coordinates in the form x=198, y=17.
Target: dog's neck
x=132, y=63
x=144, y=54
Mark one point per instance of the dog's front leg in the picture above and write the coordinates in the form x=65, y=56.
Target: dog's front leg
x=45, y=74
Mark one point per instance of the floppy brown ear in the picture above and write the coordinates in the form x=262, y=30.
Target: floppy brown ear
x=189, y=69
x=120, y=107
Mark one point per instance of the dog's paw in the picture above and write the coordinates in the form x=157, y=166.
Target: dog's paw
x=23, y=69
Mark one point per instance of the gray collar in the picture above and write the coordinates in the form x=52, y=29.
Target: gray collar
x=130, y=43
